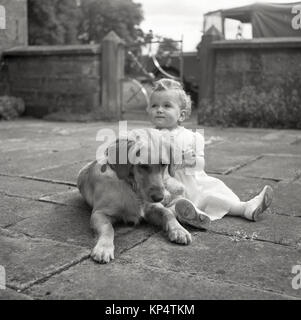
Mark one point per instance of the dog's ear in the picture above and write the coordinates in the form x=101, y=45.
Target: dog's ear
x=117, y=155
x=123, y=171
x=171, y=165
x=167, y=154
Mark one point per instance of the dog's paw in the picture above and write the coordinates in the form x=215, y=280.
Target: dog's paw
x=179, y=235
x=103, y=252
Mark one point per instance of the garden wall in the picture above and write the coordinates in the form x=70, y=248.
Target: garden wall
x=261, y=63
x=53, y=78
x=253, y=83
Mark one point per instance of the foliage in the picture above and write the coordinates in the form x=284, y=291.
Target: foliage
x=102, y=16
x=167, y=45
x=11, y=107
x=53, y=22
x=277, y=108
x=64, y=22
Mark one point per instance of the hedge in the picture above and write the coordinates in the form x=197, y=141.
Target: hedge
x=277, y=108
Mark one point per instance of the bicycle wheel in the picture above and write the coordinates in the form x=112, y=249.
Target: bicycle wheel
x=135, y=95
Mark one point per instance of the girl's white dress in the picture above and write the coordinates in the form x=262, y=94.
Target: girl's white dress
x=209, y=194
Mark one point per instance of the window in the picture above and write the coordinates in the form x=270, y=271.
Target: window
x=2, y=18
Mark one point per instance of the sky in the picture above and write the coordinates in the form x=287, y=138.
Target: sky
x=177, y=18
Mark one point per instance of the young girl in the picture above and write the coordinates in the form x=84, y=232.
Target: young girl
x=205, y=196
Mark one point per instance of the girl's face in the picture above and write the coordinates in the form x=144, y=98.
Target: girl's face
x=165, y=111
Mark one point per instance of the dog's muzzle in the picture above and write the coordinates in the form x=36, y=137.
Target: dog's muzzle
x=156, y=194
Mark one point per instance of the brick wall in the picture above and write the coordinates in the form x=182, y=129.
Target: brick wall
x=4, y=87
x=52, y=78
x=263, y=63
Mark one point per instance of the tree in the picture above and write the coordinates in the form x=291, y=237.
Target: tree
x=102, y=16
x=168, y=46
x=82, y=21
x=53, y=22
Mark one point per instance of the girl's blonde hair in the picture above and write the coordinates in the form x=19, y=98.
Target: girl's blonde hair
x=168, y=84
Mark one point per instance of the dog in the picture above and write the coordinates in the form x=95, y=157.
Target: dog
x=130, y=192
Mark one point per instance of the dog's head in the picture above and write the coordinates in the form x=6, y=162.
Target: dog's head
x=124, y=157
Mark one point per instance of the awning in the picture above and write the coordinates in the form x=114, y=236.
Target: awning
x=267, y=19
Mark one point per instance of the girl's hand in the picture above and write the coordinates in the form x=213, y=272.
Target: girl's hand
x=189, y=158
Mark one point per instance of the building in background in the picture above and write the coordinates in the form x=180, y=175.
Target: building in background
x=13, y=23
x=262, y=20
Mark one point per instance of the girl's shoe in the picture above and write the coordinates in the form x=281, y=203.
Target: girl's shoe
x=259, y=204
x=188, y=213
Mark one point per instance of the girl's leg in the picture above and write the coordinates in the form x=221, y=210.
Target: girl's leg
x=216, y=207
x=254, y=207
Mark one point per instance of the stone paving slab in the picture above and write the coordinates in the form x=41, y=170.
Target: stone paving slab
x=34, y=151
x=254, y=147
x=33, y=129
x=30, y=188
x=72, y=197
x=287, y=199
x=29, y=260
x=278, y=167
x=15, y=209
x=59, y=135
x=28, y=166
x=59, y=138
x=236, y=134
x=44, y=144
x=10, y=294
x=271, y=227
x=67, y=173
x=283, y=136
x=120, y=280
x=248, y=135
x=70, y=225
x=224, y=162
x=57, y=222
x=16, y=155
x=244, y=188
x=252, y=263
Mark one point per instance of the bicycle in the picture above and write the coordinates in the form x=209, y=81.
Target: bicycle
x=136, y=88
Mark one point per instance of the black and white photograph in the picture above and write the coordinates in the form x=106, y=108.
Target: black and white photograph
x=150, y=153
